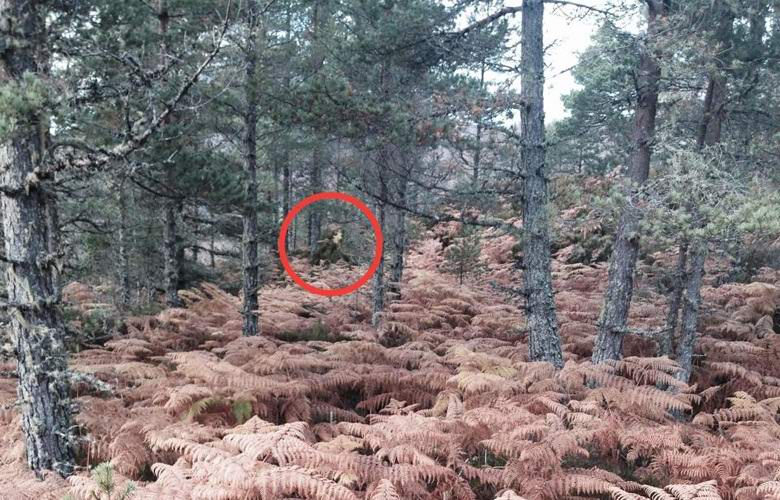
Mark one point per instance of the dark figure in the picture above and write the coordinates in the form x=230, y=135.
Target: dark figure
x=329, y=248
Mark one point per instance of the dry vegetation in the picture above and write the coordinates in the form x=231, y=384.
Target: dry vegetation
x=439, y=403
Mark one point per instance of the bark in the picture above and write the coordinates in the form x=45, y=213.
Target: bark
x=250, y=236
x=53, y=246
x=195, y=249
x=399, y=242
x=315, y=183
x=544, y=342
x=319, y=17
x=170, y=253
x=170, y=250
x=213, y=247
x=294, y=235
x=709, y=136
x=666, y=343
x=690, y=315
x=124, y=262
x=36, y=325
x=285, y=157
x=475, y=168
x=622, y=263
x=379, y=276
x=286, y=196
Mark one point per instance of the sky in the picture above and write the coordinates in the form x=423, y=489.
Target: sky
x=567, y=32
x=569, y=35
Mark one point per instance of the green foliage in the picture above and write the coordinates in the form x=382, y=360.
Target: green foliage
x=317, y=332
x=593, y=138
x=19, y=101
x=695, y=198
x=758, y=225
x=99, y=325
x=103, y=476
x=462, y=257
x=198, y=407
x=242, y=410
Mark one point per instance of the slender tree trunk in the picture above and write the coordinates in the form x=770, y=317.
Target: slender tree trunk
x=622, y=263
x=170, y=251
x=666, y=345
x=286, y=196
x=399, y=242
x=44, y=389
x=476, y=162
x=544, y=342
x=690, y=315
x=250, y=237
x=285, y=158
x=124, y=261
x=294, y=231
x=379, y=276
x=319, y=17
x=213, y=247
x=709, y=136
x=315, y=182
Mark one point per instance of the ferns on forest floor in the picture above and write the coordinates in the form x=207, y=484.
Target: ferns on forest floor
x=451, y=408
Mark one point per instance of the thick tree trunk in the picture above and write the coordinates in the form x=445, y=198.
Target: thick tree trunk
x=666, y=345
x=250, y=236
x=43, y=390
x=544, y=342
x=622, y=263
x=53, y=227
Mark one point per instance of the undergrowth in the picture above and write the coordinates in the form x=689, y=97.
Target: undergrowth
x=319, y=407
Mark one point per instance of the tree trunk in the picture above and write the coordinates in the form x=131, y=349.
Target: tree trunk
x=43, y=390
x=124, y=263
x=379, y=276
x=690, y=315
x=250, y=236
x=170, y=250
x=399, y=242
x=319, y=16
x=622, y=263
x=213, y=247
x=286, y=196
x=53, y=246
x=315, y=212
x=544, y=342
x=170, y=253
x=475, y=168
x=709, y=135
x=666, y=345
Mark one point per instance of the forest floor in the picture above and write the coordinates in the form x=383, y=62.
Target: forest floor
x=440, y=402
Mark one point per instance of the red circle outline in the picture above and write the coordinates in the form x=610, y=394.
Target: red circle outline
x=330, y=195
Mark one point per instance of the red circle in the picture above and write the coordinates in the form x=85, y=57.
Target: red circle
x=330, y=195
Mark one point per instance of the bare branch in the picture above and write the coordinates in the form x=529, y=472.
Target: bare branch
x=579, y=6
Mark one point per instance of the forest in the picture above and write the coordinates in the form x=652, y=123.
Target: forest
x=390, y=249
